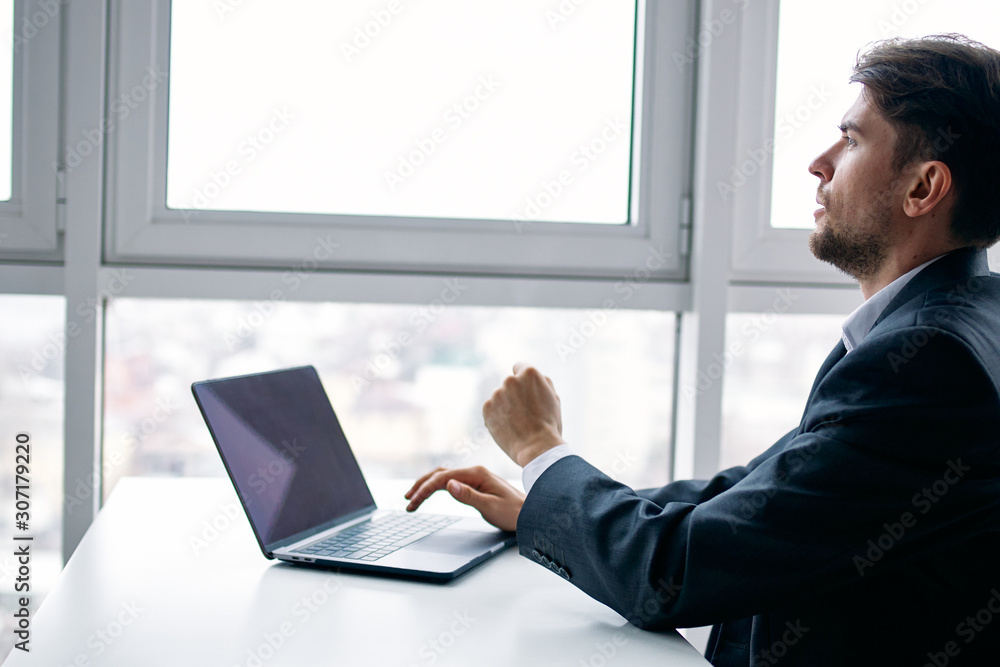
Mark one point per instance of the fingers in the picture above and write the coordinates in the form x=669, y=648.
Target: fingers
x=421, y=481
x=437, y=480
x=521, y=367
x=466, y=494
x=499, y=507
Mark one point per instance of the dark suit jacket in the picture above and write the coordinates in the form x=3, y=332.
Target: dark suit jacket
x=868, y=535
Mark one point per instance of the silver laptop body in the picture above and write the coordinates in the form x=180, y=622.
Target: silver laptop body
x=303, y=491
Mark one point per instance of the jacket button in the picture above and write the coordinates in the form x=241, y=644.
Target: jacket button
x=537, y=556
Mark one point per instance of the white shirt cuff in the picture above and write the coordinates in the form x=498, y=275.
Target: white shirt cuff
x=541, y=463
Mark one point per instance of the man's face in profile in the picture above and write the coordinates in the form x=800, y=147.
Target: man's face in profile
x=857, y=190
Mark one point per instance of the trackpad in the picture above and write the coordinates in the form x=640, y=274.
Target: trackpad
x=460, y=542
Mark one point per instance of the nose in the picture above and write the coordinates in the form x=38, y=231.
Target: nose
x=822, y=166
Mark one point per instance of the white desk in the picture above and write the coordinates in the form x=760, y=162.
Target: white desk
x=137, y=594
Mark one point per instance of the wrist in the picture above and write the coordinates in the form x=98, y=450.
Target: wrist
x=533, y=450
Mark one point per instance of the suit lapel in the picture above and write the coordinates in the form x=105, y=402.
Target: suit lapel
x=835, y=355
x=955, y=267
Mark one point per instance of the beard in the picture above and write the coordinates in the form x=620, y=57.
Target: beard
x=857, y=248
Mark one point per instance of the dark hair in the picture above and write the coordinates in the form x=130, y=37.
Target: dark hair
x=942, y=95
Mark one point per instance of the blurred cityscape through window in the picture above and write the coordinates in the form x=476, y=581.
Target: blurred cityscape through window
x=33, y=341
x=773, y=360
x=407, y=382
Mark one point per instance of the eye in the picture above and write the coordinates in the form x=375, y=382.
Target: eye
x=850, y=141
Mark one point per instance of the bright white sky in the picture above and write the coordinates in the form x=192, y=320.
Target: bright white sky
x=359, y=103
x=6, y=97
x=818, y=45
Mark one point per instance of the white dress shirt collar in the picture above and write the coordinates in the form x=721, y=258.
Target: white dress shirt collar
x=860, y=322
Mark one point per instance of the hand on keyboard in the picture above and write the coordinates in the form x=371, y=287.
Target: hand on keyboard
x=498, y=502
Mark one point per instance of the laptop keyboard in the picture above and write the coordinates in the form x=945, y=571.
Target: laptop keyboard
x=371, y=540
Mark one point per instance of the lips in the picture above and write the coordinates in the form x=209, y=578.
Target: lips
x=820, y=211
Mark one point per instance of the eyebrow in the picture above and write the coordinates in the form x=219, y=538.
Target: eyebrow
x=850, y=125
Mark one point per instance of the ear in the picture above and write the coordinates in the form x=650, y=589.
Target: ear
x=931, y=183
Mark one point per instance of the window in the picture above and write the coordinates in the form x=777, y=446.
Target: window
x=407, y=382
x=31, y=401
x=402, y=109
x=6, y=101
x=29, y=112
x=775, y=358
x=794, y=116
x=418, y=140
x=813, y=93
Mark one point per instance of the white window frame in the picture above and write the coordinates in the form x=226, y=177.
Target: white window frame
x=762, y=253
x=141, y=229
x=29, y=225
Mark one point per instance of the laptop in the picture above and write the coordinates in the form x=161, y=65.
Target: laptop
x=304, y=493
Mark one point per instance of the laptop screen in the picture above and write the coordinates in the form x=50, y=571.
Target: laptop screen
x=285, y=451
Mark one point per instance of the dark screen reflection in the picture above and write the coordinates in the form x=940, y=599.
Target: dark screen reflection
x=285, y=450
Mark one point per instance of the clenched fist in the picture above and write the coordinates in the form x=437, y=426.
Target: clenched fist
x=524, y=415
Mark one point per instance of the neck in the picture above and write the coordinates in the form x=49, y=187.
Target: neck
x=899, y=264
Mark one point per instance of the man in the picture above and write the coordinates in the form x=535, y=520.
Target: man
x=870, y=533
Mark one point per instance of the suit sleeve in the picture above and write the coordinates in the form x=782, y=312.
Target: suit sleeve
x=698, y=491
x=907, y=450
